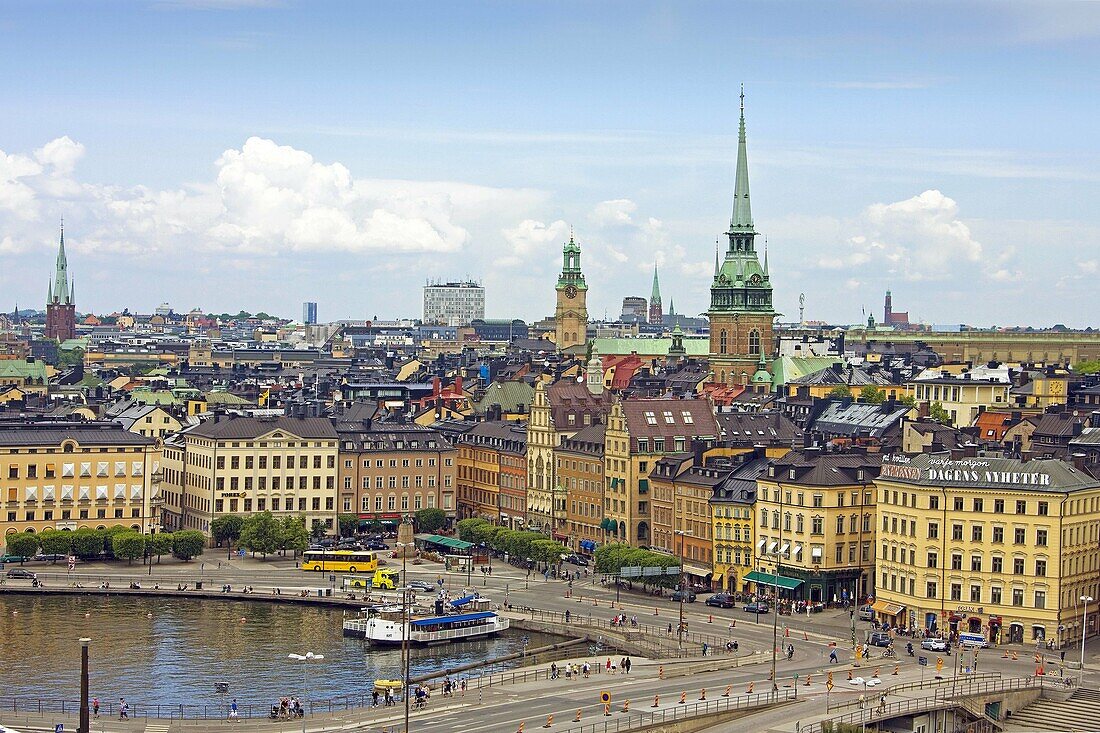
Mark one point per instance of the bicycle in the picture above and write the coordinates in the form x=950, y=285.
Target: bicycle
x=890, y=653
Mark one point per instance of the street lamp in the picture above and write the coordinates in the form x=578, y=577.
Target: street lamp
x=404, y=555
x=305, y=659
x=406, y=628
x=85, y=723
x=680, y=629
x=1086, y=600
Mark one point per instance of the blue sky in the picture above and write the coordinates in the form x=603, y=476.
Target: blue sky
x=250, y=154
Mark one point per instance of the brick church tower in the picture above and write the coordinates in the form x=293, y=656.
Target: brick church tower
x=60, y=305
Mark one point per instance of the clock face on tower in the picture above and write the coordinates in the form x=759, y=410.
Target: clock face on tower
x=755, y=279
x=571, y=292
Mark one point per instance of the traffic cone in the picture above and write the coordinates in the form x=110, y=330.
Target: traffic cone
x=896, y=668
x=607, y=709
x=656, y=701
x=787, y=632
x=549, y=720
x=875, y=675
x=577, y=717
x=626, y=706
x=703, y=694
x=1038, y=658
x=808, y=678
x=849, y=675
x=683, y=698
x=727, y=692
x=1005, y=655
x=520, y=728
x=1015, y=656
x=661, y=672
x=710, y=618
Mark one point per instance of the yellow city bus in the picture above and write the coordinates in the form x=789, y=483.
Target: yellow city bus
x=350, y=561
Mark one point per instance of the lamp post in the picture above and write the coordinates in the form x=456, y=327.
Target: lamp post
x=305, y=659
x=404, y=556
x=680, y=629
x=1086, y=600
x=406, y=597
x=84, y=725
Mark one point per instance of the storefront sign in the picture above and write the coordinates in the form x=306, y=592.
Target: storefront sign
x=969, y=609
x=962, y=470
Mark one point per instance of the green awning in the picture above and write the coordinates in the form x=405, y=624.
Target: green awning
x=449, y=542
x=773, y=580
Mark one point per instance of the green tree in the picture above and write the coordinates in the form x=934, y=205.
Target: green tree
x=55, y=542
x=908, y=400
x=1087, y=367
x=109, y=535
x=430, y=520
x=23, y=544
x=318, y=529
x=188, y=543
x=226, y=529
x=839, y=392
x=872, y=395
x=293, y=535
x=260, y=533
x=68, y=358
x=159, y=544
x=547, y=551
x=348, y=523
x=937, y=413
x=88, y=543
x=471, y=529
x=128, y=545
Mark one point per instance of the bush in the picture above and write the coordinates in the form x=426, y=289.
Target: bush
x=23, y=544
x=187, y=544
x=128, y=545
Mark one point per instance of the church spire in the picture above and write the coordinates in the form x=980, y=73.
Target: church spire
x=742, y=211
x=765, y=258
x=655, y=293
x=60, y=290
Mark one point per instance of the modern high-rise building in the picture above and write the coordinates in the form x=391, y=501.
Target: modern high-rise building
x=309, y=313
x=453, y=304
x=634, y=308
x=60, y=299
x=741, y=310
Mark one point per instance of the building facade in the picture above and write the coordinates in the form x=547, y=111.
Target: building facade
x=816, y=523
x=492, y=471
x=580, y=471
x=741, y=310
x=74, y=475
x=247, y=465
x=388, y=471
x=61, y=299
x=453, y=304
x=995, y=546
x=571, y=309
x=309, y=313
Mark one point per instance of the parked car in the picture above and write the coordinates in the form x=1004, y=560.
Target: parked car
x=21, y=574
x=866, y=613
x=721, y=600
x=757, y=607
x=972, y=640
x=687, y=596
x=377, y=545
x=577, y=560
x=879, y=638
x=934, y=645
x=423, y=585
x=55, y=557
x=13, y=558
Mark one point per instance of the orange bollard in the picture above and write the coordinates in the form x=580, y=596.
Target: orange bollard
x=727, y=692
x=805, y=636
x=1038, y=658
x=656, y=701
x=607, y=709
x=748, y=691
x=710, y=618
x=656, y=612
x=770, y=676
x=875, y=675
x=683, y=698
x=661, y=672
x=577, y=717
x=896, y=668
x=626, y=706
x=787, y=632
x=849, y=675
x=549, y=720
x=703, y=694
x=808, y=678
x=1005, y=655
x=1015, y=656
x=595, y=601
x=734, y=622
x=520, y=728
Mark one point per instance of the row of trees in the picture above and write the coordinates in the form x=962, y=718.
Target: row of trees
x=530, y=545
x=425, y=520
x=610, y=559
x=871, y=395
x=261, y=533
x=119, y=542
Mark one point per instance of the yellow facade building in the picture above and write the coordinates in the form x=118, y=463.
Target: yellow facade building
x=995, y=546
x=963, y=399
x=67, y=476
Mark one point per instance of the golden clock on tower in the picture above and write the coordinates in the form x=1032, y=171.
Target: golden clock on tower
x=571, y=311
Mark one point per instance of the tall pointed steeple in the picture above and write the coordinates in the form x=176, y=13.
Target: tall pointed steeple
x=765, y=258
x=741, y=221
x=60, y=290
x=655, y=293
x=656, y=312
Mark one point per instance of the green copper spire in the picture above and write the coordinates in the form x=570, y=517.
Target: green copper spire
x=655, y=294
x=742, y=212
x=60, y=291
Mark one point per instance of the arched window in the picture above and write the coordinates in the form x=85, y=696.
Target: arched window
x=722, y=342
x=754, y=342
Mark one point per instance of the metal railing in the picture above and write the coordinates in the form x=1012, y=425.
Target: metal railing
x=654, y=636
x=220, y=711
x=645, y=719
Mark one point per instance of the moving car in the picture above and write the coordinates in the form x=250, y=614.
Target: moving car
x=757, y=607
x=972, y=640
x=721, y=600
x=687, y=596
x=577, y=560
x=423, y=585
x=934, y=645
x=879, y=638
x=21, y=574
x=866, y=613
x=377, y=545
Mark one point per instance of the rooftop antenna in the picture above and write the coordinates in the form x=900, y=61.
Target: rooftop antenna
x=801, y=308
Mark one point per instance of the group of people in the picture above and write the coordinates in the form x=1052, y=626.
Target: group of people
x=572, y=670
x=386, y=696
x=624, y=665
x=286, y=709
x=621, y=620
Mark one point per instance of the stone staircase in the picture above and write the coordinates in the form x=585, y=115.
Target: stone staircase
x=1078, y=714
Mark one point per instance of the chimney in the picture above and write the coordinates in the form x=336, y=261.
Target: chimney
x=1025, y=456
x=1078, y=461
x=922, y=410
x=458, y=383
x=970, y=451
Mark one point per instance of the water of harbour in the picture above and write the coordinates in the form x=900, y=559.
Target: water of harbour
x=155, y=651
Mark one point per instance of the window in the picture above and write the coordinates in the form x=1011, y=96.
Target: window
x=956, y=591
x=668, y=418
x=933, y=559
x=958, y=503
x=933, y=530
x=975, y=594
x=651, y=418
x=1021, y=507
x=722, y=342
x=1040, y=599
x=817, y=525
x=976, y=533
x=998, y=534
x=1041, y=538
x=839, y=527
x=1042, y=512
x=998, y=564
x=1017, y=596
x=956, y=562
x=957, y=532
x=933, y=502
x=930, y=589
x=818, y=500
x=976, y=563
x=995, y=595
x=978, y=504
x=688, y=419
x=1019, y=535
x=1041, y=567
x=1018, y=566
x=754, y=342
x=998, y=506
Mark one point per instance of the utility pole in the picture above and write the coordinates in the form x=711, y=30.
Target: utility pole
x=85, y=724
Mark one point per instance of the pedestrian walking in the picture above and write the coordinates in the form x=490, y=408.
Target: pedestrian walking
x=95, y=707
x=882, y=702
x=626, y=665
x=567, y=615
x=670, y=628
x=234, y=716
x=123, y=709
x=832, y=657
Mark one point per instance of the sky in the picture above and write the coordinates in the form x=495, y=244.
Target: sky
x=254, y=154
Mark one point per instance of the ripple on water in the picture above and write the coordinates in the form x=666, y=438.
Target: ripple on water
x=168, y=651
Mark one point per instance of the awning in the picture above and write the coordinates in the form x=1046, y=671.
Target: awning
x=717, y=578
x=587, y=545
x=697, y=570
x=450, y=542
x=890, y=609
x=773, y=580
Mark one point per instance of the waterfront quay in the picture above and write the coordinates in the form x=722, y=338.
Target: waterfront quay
x=667, y=666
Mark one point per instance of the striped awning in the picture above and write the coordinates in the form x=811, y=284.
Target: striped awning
x=887, y=608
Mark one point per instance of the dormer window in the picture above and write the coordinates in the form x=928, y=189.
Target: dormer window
x=791, y=474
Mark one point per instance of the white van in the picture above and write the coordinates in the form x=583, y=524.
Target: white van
x=973, y=640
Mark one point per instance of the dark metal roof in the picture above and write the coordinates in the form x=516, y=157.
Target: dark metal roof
x=245, y=428
x=53, y=433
